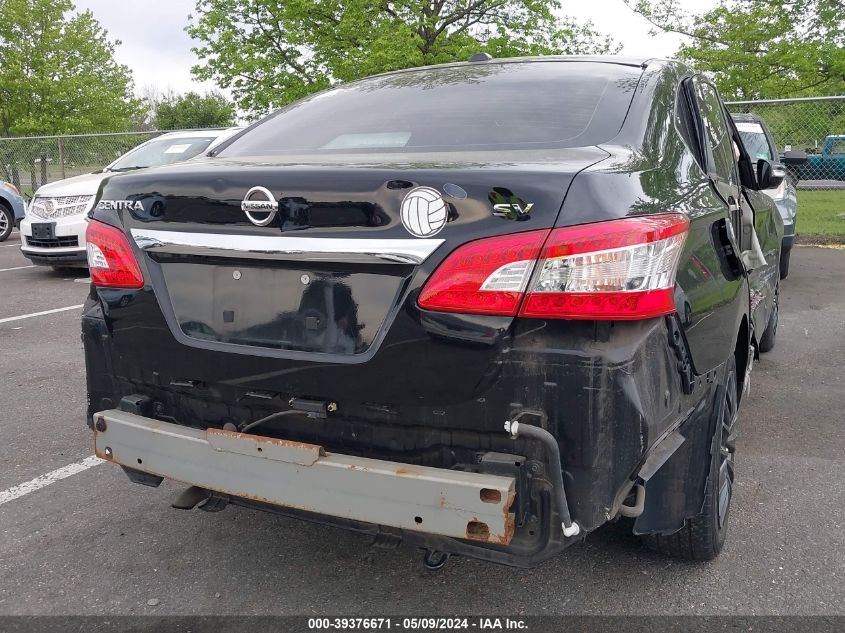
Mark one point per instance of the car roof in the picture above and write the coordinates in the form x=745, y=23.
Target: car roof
x=619, y=60
x=622, y=60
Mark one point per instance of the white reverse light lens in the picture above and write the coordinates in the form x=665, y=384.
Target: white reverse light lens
x=512, y=277
x=635, y=268
x=96, y=259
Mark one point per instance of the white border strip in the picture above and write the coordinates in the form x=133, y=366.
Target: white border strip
x=3, y=270
x=35, y=314
x=16, y=492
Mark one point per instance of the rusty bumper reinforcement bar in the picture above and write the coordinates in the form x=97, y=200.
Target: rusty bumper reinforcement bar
x=452, y=503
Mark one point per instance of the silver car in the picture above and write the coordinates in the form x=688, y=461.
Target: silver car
x=759, y=143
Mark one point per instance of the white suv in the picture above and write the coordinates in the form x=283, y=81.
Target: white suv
x=53, y=231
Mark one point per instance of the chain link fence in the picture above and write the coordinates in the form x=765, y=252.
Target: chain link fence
x=32, y=161
x=813, y=125
x=816, y=126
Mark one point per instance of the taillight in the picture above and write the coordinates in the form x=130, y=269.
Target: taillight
x=488, y=276
x=621, y=269
x=110, y=259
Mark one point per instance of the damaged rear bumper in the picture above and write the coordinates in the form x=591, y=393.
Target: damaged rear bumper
x=447, y=503
x=612, y=399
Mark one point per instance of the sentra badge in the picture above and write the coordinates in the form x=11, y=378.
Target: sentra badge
x=120, y=205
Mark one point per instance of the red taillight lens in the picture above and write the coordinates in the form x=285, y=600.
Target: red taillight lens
x=110, y=259
x=488, y=276
x=621, y=269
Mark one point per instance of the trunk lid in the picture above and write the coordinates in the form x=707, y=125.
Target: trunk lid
x=330, y=283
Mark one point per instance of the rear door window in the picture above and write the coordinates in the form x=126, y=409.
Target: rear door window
x=688, y=123
x=719, y=144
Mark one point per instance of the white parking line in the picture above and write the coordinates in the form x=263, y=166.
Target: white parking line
x=9, y=245
x=3, y=270
x=16, y=492
x=35, y=314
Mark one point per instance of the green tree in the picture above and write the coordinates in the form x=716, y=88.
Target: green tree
x=760, y=48
x=272, y=52
x=57, y=72
x=192, y=110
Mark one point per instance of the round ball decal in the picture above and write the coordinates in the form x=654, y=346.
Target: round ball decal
x=424, y=212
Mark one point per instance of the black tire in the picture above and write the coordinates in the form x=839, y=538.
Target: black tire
x=7, y=222
x=768, y=338
x=784, y=263
x=703, y=536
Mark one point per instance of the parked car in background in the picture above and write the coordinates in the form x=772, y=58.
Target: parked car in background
x=760, y=144
x=480, y=308
x=53, y=234
x=12, y=208
x=827, y=165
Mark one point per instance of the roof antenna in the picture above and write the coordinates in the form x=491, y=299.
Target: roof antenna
x=481, y=57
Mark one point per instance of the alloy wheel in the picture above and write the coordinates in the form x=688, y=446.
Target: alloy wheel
x=727, y=448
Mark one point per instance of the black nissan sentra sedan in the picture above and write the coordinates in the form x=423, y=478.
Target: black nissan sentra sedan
x=479, y=308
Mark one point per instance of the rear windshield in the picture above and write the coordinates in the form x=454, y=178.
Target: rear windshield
x=460, y=108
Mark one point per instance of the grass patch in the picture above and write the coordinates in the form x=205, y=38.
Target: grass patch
x=821, y=213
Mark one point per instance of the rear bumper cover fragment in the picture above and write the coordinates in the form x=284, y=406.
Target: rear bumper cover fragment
x=450, y=503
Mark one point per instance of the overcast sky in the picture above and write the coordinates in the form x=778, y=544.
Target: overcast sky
x=157, y=49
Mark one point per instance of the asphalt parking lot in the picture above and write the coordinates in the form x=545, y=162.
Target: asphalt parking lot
x=93, y=543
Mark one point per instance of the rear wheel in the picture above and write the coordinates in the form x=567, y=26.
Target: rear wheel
x=703, y=536
x=767, y=340
x=7, y=222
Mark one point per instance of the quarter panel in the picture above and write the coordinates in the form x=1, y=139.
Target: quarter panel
x=652, y=170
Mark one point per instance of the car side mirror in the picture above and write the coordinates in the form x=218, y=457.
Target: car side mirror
x=769, y=176
x=793, y=159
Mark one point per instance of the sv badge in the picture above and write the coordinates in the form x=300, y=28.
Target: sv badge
x=508, y=205
x=508, y=209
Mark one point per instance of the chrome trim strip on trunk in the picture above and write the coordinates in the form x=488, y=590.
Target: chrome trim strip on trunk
x=410, y=251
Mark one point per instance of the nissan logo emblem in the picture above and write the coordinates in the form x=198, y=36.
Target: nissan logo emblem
x=260, y=200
